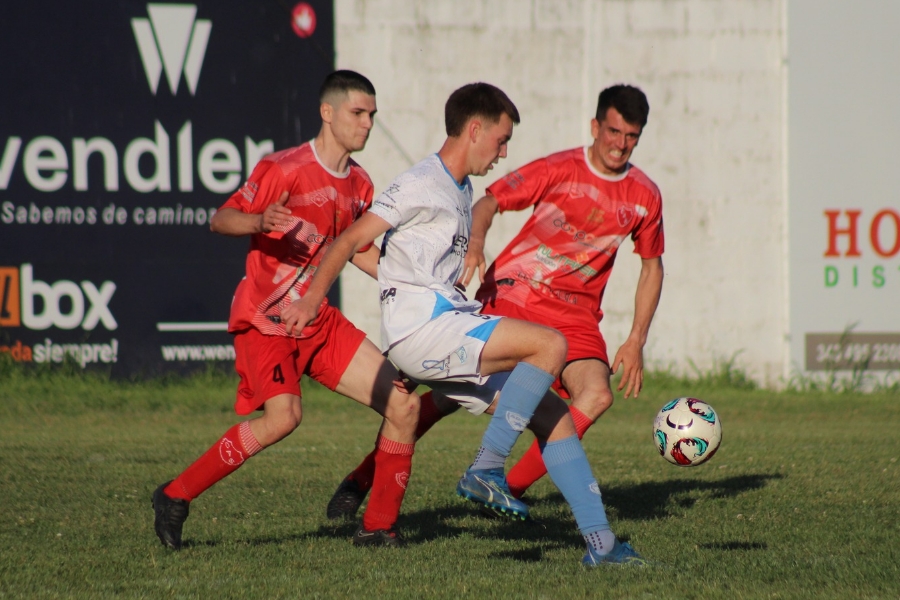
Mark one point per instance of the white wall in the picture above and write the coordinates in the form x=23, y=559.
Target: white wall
x=714, y=73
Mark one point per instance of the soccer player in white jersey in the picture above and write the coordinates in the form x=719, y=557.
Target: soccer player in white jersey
x=435, y=335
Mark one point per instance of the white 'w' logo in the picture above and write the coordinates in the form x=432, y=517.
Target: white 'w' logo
x=172, y=40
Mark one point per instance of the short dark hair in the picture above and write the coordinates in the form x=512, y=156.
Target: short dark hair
x=630, y=101
x=343, y=82
x=477, y=100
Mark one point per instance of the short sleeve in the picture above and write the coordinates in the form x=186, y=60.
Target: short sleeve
x=264, y=187
x=649, y=239
x=523, y=187
x=403, y=199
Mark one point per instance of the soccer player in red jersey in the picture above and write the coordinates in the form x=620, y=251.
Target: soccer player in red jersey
x=294, y=204
x=586, y=201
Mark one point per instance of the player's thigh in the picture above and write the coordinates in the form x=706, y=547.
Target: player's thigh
x=513, y=341
x=369, y=379
x=267, y=366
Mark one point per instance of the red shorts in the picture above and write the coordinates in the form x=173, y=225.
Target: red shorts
x=270, y=365
x=582, y=335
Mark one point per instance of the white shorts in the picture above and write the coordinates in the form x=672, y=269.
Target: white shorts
x=445, y=355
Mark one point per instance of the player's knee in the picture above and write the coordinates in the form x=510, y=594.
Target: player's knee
x=280, y=423
x=594, y=403
x=554, y=347
x=403, y=409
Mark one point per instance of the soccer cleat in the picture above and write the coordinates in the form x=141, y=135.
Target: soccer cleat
x=488, y=487
x=171, y=514
x=621, y=554
x=346, y=500
x=379, y=537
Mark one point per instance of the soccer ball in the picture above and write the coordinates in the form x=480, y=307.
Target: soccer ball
x=687, y=432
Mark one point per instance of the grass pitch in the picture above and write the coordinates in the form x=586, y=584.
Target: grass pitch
x=801, y=501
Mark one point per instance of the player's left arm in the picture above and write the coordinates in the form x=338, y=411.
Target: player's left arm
x=362, y=232
x=631, y=354
x=367, y=261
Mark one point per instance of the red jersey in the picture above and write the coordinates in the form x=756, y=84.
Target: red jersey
x=560, y=261
x=280, y=264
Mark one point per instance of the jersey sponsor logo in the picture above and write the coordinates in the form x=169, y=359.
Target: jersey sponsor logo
x=460, y=245
x=516, y=421
x=319, y=239
x=388, y=295
x=87, y=305
x=172, y=40
x=560, y=260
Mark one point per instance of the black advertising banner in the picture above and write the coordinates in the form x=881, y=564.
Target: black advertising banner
x=123, y=126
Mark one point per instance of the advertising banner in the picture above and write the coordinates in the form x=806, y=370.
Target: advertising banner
x=844, y=221
x=124, y=125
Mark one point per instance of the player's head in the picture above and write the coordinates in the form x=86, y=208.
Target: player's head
x=477, y=100
x=339, y=84
x=482, y=116
x=347, y=107
x=629, y=101
x=621, y=115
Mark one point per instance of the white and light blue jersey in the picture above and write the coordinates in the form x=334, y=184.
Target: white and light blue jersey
x=422, y=254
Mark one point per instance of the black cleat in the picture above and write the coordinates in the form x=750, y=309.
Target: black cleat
x=171, y=514
x=346, y=500
x=379, y=537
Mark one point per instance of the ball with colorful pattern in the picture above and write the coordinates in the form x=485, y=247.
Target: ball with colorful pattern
x=687, y=432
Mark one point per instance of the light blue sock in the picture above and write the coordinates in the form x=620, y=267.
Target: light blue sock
x=568, y=467
x=519, y=398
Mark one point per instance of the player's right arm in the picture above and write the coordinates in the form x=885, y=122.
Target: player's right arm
x=482, y=216
x=360, y=234
x=234, y=222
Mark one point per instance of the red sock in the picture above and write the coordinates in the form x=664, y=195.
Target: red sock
x=428, y=416
x=393, y=464
x=531, y=467
x=237, y=445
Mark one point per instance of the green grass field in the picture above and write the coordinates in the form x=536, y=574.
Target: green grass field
x=801, y=501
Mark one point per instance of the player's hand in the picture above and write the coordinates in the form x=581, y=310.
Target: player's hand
x=474, y=261
x=298, y=315
x=277, y=216
x=631, y=357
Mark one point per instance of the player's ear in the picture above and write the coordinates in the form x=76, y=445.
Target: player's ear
x=326, y=111
x=473, y=128
x=595, y=128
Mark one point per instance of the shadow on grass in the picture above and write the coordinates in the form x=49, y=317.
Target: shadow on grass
x=656, y=499
x=645, y=501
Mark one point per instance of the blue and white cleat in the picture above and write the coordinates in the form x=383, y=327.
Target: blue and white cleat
x=621, y=554
x=489, y=487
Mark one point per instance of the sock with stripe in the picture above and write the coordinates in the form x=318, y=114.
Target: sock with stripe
x=222, y=459
x=428, y=416
x=531, y=467
x=393, y=464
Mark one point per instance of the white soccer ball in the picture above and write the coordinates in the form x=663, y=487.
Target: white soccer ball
x=687, y=432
